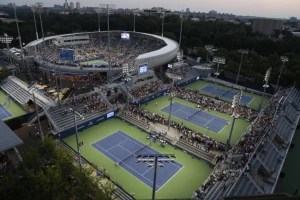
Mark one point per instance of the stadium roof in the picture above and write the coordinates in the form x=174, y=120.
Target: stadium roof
x=8, y=138
x=171, y=44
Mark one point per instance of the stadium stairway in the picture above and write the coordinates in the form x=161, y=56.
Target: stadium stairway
x=245, y=186
x=119, y=193
x=197, y=151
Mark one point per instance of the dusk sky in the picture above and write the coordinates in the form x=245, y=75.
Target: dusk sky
x=264, y=8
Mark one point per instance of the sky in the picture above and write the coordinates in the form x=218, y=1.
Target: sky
x=261, y=8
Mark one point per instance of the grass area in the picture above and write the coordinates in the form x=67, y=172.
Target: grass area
x=182, y=185
x=14, y=108
x=92, y=62
x=239, y=128
x=254, y=104
x=290, y=183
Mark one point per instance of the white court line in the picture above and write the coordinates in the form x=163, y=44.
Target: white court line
x=222, y=129
x=107, y=136
x=127, y=166
x=170, y=178
x=116, y=145
x=147, y=171
x=210, y=121
x=3, y=111
x=251, y=100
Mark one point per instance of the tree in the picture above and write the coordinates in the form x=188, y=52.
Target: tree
x=4, y=73
x=49, y=173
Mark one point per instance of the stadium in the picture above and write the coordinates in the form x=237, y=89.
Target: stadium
x=151, y=122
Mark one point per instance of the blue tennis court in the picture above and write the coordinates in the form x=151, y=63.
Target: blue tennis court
x=228, y=94
x=4, y=113
x=208, y=121
x=122, y=148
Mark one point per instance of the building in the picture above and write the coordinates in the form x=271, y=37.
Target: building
x=72, y=6
x=293, y=19
x=66, y=6
x=77, y=5
x=187, y=10
x=266, y=26
x=158, y=11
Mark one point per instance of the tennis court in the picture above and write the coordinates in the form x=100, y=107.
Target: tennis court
x=123, y=149
x=4, y=113
x=228, y=94
x=197, y=116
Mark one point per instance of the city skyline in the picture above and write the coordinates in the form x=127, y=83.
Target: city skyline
x=259, y=8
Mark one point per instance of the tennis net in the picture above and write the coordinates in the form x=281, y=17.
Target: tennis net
x=195, y=112
x=133, y=154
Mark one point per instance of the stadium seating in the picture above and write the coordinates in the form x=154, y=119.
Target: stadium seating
x=63, y=116
x=16, y=92
x=245, y=186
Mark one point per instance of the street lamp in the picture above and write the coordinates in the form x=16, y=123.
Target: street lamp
x=241, y=51
x=134, y=13
x=235, y=105
x=108, y=7
x=208, y=48
x=39, y=8
x=7, y=40
x=155, y=158
x=218, y=60
x=283, y=59
x=99, y=11
x=265, y=86
x=173, y=77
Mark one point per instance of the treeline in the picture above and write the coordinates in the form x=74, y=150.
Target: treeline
x=264, y=52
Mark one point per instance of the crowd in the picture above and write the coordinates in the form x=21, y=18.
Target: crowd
x=147, y=89
x=210, y=103
x=122, y=51
x=87, y=103
x=185, y=133
x=4, y=161
x=255, y=138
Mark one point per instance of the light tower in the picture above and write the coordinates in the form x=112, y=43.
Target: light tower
x=39, y=8
x=155, y=158
x=208, y=48
x=126, y=71
x=33, y=9
x=265, y=86
x=173, y=77
x=108, y=8
x=235, y=105
x=181, y=22
x=218, y=60
x=7, y=40
x=283, y=59
x=163, y=22
x=241, y=51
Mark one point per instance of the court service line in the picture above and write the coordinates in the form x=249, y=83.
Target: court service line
x=147, y=171
x=117, y=145
x=107, y=136
x=128, y=166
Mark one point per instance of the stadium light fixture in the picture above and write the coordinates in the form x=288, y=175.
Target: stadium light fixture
x=20, y=40
x=218, y=60
x=208, y=48
x=155, y=158
x=39, y=8
x=235, y=105
x=108, y=8
x=126, y=71
x=241, y=51
x=265, y=86
x=173, y=77
x=283, y=59
x=33, y=9
x=181, y=22
x=7, y=40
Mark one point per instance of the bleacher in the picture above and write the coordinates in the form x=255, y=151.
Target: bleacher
x=195, y=149
x=291, y=113
x=271, y=156
x=16, y=92
x=245, y=186
x=284, y=129
x=140, y=124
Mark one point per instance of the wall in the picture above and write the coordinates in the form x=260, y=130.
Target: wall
x=150, y=98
